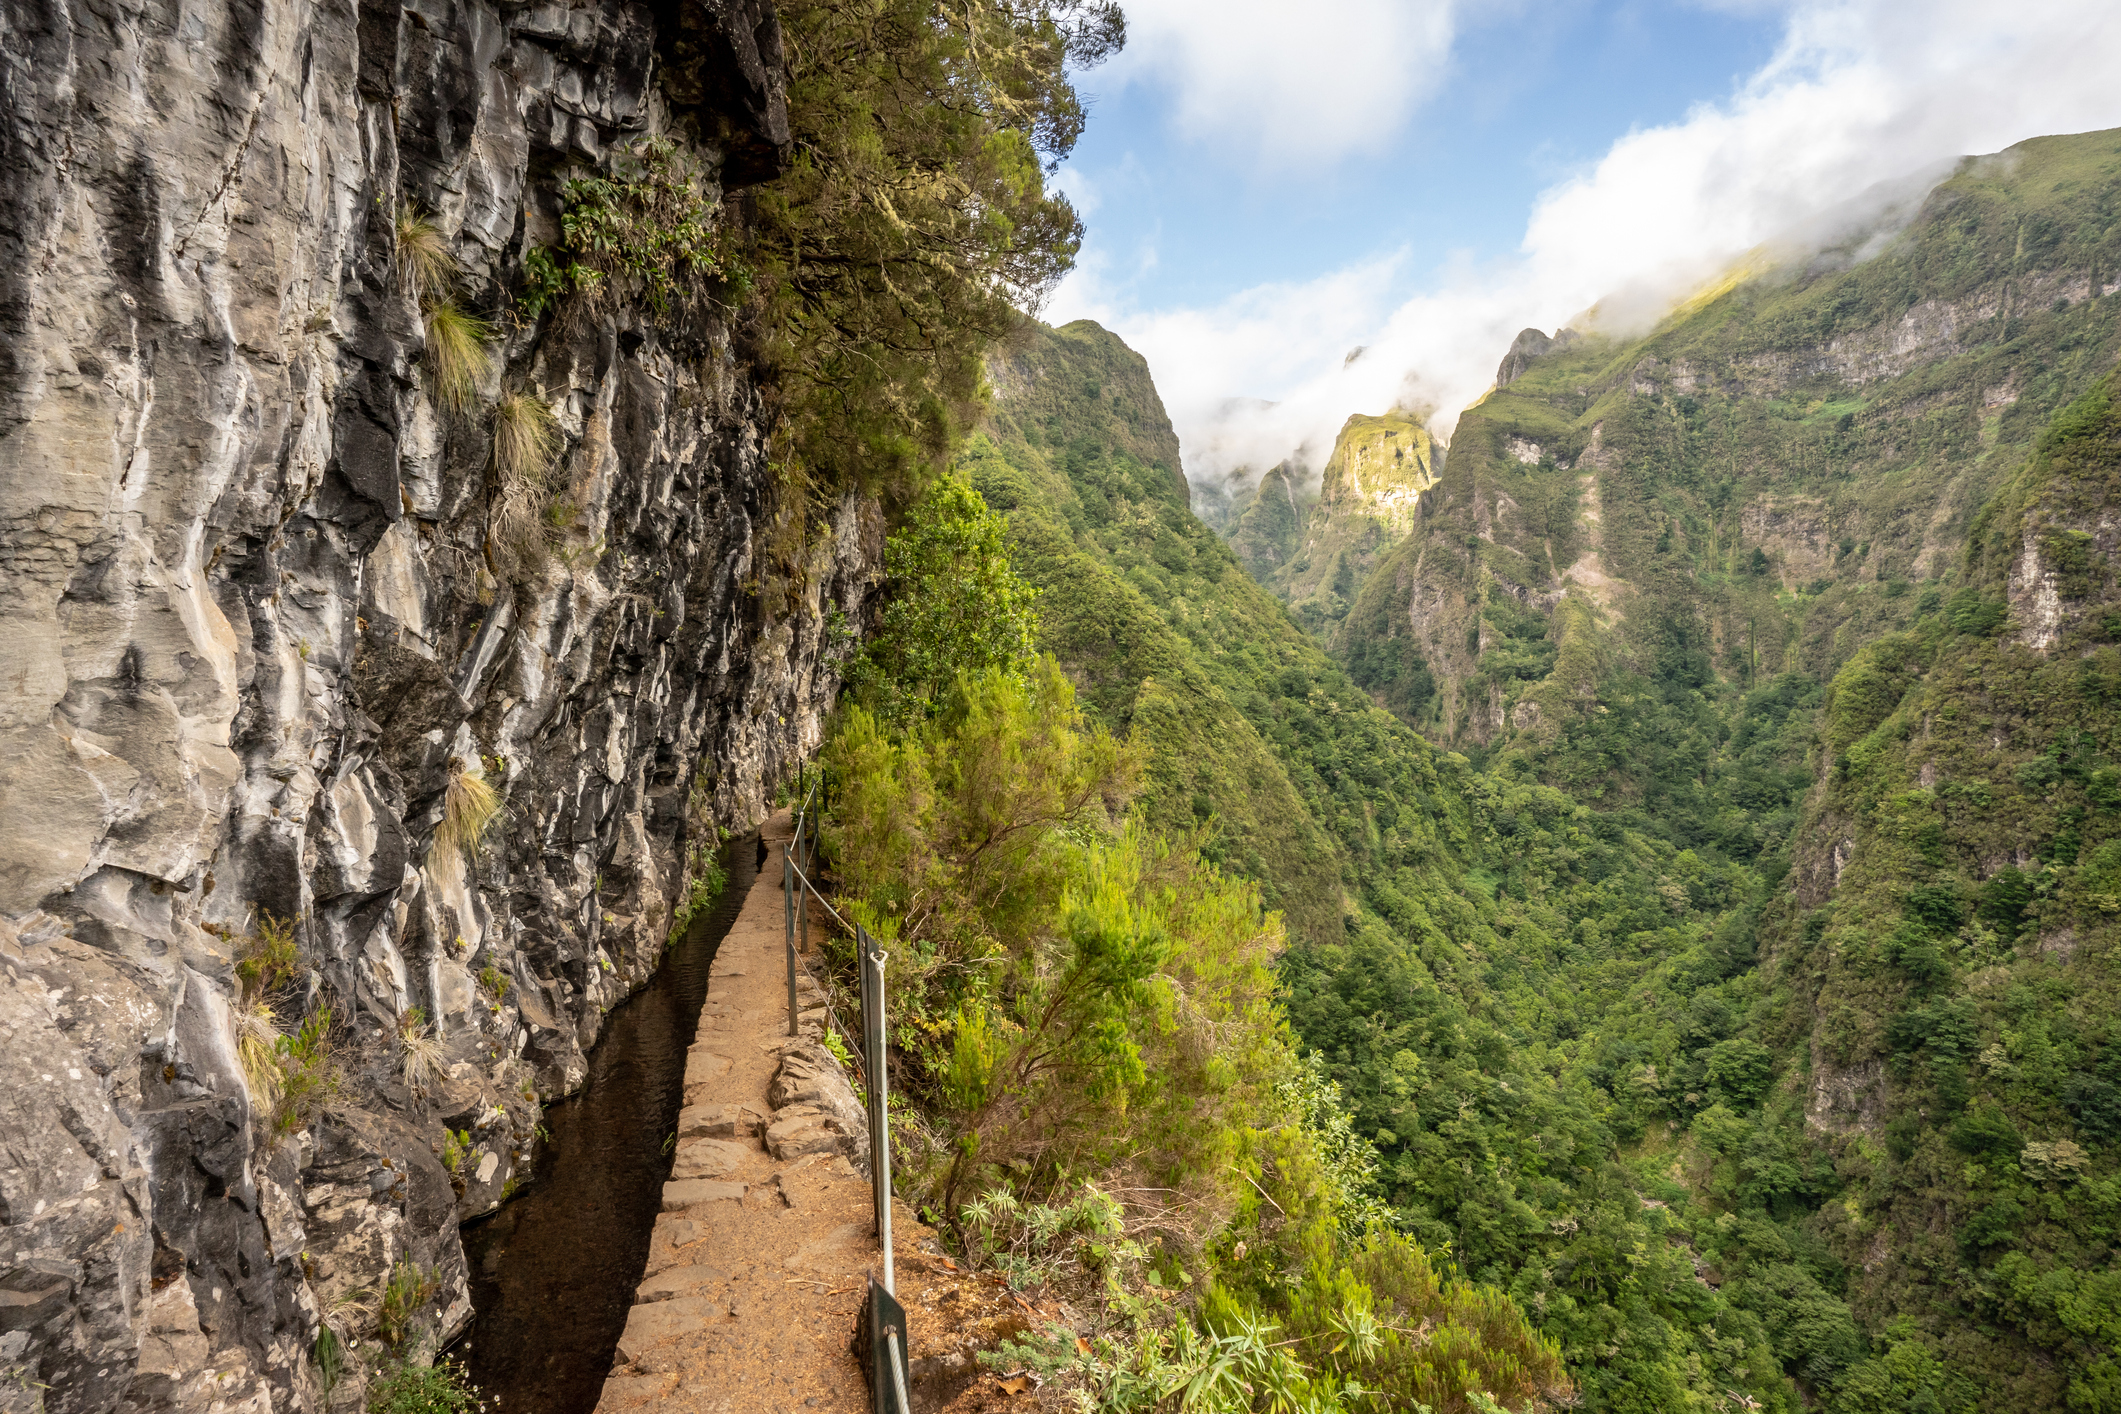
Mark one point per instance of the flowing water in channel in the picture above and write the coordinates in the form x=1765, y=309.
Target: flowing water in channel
x=554, y=1271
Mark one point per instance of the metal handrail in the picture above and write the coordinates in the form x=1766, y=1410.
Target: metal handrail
x=869, y=1051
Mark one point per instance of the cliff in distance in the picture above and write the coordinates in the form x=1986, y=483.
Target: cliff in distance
x=1314, y=550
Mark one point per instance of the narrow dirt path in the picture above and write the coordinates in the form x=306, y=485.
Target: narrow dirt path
x=756, y=1271
x=760, y=1258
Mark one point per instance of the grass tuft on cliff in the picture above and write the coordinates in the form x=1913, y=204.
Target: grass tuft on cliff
x=257, y=1048
x=457, y=357
x=526, y=440
x=427, y=267
x=470, y=807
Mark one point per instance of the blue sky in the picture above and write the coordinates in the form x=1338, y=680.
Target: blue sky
x=1521, y=103
x=1268, y=186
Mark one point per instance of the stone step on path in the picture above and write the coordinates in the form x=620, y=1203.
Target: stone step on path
x=758, y=1263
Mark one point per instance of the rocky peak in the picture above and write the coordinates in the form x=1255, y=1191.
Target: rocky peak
x=1528, y=345
x=1379, y=468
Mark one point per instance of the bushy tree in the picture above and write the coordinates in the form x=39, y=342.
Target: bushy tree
x=954, y=606
x=915, y=222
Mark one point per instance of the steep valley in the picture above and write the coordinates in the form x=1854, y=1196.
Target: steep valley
x=1730, y=991
x=1613, y=907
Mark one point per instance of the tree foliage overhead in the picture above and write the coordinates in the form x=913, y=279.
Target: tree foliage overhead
x=915, y=223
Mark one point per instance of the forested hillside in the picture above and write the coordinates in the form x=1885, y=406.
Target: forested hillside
x=1803, y=590
x=1444, y=980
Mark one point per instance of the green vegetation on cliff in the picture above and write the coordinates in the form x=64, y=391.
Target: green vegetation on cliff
x=1087, y=1021
x=1672, y=589
x=1956, y=981
x=1736, y=1006
x=1436, y=966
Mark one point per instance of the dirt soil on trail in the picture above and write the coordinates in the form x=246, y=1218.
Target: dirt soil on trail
x=758, y=1265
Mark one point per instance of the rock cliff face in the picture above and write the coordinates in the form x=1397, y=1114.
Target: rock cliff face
x=1756, y=485
x=1315, y=552
x=260, y=631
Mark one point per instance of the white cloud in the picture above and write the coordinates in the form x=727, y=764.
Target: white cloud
x=1860, y=93
x=1268, y=85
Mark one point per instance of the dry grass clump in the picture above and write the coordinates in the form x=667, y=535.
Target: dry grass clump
x=258, y=1050
x=526, y=439
x=470, y=807
x=526, y=444
x=420, y=1054
x=427, y=267
x=457, y=355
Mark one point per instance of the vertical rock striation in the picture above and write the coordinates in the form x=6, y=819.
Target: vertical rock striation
x=258, y=617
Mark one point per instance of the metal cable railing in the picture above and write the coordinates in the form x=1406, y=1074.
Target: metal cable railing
x=885, y=1318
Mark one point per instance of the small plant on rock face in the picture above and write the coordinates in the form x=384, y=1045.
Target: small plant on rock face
x=444, y=1387
x=494, y=980
x=409, y=1289
x=420, y=1054
x=457, y=1149
x=267, y=958
x=470, y=807
x=257, y=1049
x=526, y=442
x=649, y=225
x=309, y=1077
x=457, y=355
x=526, y=436
x=709, y=878
x=427, y=268
x=330, y=1356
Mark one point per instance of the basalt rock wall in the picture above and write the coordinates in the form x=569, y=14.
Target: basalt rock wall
x=259, y=614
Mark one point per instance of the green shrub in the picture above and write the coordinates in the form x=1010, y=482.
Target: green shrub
x=405, y=1295
x=1971, y=612
x=707, y=880
x=268, y=958
x=648, y=224
x=1986, y=1132
x=444, y=1387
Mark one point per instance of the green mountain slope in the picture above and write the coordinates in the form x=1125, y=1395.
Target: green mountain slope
x=1256, y=737
x=1951, y=953
x=1753, y=489
x=1642, y=568
x=1459, y=936
x=1721, y=616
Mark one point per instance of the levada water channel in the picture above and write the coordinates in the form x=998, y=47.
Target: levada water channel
x=553, y=1272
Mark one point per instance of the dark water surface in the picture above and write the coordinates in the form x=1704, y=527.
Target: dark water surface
x=554, y=1271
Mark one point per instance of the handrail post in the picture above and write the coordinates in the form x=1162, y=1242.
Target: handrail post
x=788, y=899
x=879, y=1097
